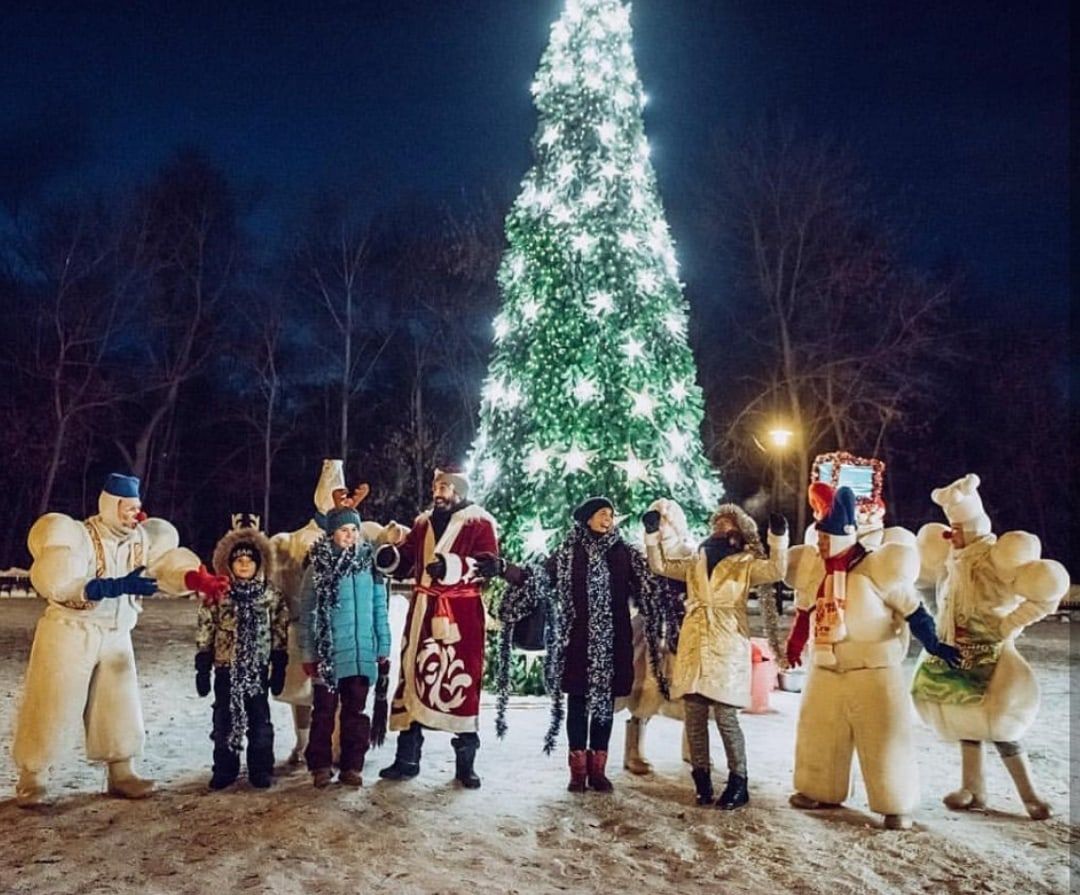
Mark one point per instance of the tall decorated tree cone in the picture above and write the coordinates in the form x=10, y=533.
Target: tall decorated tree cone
x=592, y=385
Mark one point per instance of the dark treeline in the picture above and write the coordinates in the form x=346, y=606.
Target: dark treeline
x=152, y=332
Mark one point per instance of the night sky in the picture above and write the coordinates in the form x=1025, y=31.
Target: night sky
x=958, y=112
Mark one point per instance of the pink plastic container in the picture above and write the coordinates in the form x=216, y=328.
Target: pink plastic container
x=762, y=676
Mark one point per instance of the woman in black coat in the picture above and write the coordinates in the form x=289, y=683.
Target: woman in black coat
x=585, y=589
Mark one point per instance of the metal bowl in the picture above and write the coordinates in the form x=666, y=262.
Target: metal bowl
x=792, y=680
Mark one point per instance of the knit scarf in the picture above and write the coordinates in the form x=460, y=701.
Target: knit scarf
x=555, y=591
x=960, y=594
x=329, y=565
x=246, y=676
x=831, y=604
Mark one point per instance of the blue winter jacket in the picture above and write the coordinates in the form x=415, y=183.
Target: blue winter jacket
x=361, y=624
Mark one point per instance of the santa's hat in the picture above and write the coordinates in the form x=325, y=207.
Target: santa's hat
x=834, y=509
x=117, y=485
x=963, y=506
x=454, y=477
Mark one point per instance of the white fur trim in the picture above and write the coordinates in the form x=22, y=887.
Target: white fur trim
x=455, y=568
x=393, y=566
x=471, y=513
x=652, y=538
x=839, y=543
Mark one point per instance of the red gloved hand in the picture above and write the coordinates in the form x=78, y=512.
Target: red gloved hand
x=212, y=587
x=800, y=633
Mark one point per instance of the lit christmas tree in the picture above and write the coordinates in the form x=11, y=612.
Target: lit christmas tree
x=592, y=386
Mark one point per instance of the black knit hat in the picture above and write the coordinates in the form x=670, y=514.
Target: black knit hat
x=245, y=548
x=587, y=508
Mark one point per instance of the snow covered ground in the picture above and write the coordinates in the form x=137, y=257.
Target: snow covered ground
x=522, y=832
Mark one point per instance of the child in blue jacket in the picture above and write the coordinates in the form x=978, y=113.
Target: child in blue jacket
x=344, y=636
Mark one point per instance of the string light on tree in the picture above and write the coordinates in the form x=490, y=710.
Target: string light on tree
x=585, y=390
x=670, y=473
x=591, y=386
x=644, y=405
x=678, y=442
x=536, y=538
x=577, y=460
x=530, y=310
x=538, y=460
x=634, y=468
x=601, y=303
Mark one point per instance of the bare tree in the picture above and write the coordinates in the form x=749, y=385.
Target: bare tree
x=183, y=237
x=444, y=284
x=840, y=326
x=73, y=312
x=334, y=259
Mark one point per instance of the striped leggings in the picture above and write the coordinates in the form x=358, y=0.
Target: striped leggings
x=697, y=733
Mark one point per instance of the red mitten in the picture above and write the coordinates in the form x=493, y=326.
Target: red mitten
x=212, y=587
x=800, y=633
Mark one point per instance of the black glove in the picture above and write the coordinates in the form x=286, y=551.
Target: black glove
x=490, y=566
x=382, y=682
x=385, y=557
x=279, y=659
x=437, y=568
x=204, y=661
x=132, y=583
x=651, y=521
x=922, y=626
x=777, y=524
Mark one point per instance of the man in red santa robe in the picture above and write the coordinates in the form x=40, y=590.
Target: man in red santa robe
x=442, y=646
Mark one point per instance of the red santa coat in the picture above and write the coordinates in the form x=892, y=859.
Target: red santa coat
x=442, y=646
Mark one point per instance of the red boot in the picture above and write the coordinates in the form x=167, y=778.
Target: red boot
x=578, y=770
x=596, y=762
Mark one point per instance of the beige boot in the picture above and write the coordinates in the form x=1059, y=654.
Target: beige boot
x=1020, y=771
x=296, y=757
x=30, y=790
x=805, y=803
x=633, y=760
x=124, y=783
x=972, y=792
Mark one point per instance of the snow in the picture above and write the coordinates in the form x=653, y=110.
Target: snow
x=522, y=832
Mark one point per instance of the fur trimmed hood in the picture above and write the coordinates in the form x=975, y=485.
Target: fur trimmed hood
x=746, y=525
x=262, y=544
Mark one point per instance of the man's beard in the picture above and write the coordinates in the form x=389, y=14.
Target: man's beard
x=443, y=503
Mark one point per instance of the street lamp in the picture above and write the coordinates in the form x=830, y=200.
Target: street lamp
x=779, y=439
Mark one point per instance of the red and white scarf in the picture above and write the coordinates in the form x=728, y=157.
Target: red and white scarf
x=829, y=627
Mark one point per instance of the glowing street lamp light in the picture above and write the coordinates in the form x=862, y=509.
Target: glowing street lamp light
x=780, y=438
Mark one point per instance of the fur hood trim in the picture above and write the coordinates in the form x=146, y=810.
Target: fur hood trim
x=262, y=544
x=746, y=525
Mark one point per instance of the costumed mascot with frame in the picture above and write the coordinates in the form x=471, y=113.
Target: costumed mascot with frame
x=856, y=696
